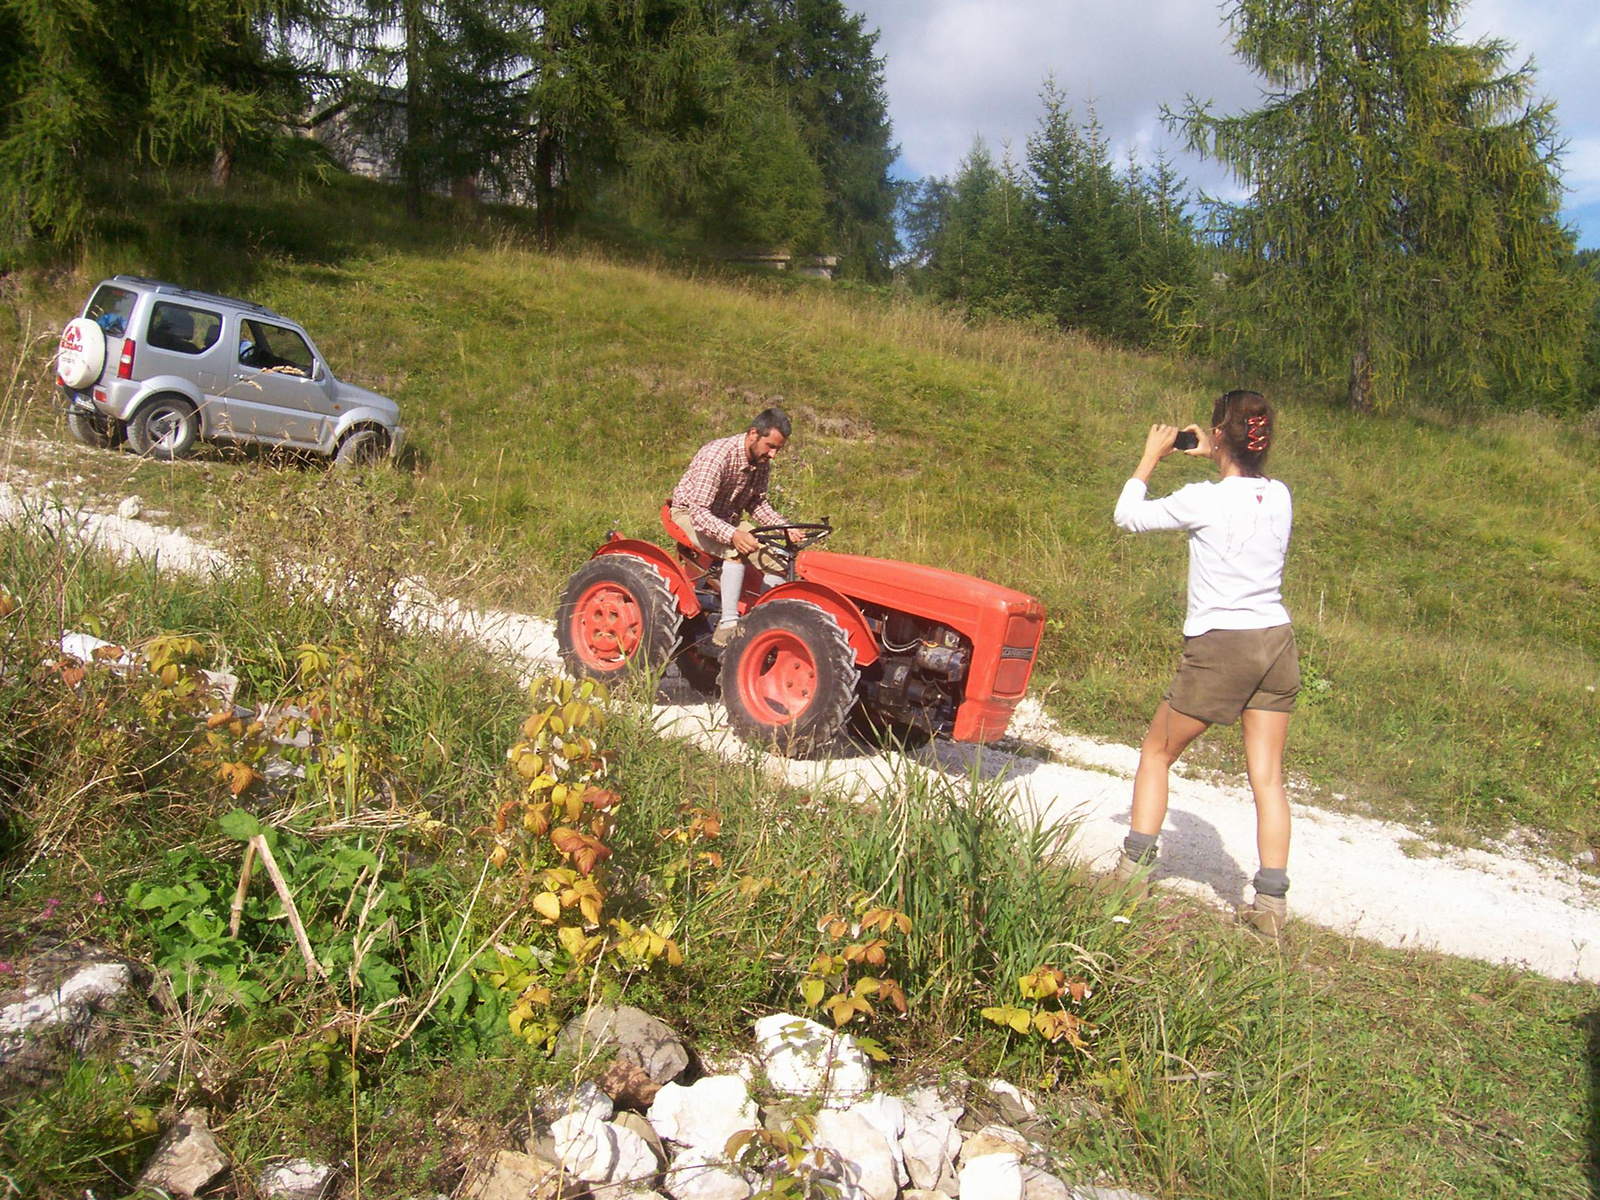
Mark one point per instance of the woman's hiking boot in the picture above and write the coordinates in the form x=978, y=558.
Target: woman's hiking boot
x=1129, y=878
x=1266, y=914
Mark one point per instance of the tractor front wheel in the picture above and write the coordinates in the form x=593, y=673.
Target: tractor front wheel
x=788, y=677
x=617, y=618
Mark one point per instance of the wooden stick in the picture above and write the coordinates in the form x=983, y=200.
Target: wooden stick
x=293, y=913
x=243, y=888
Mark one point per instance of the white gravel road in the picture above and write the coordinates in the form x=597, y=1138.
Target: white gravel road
x=1351, y=874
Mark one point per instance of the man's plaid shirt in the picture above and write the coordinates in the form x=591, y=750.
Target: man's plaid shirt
x=720, y=486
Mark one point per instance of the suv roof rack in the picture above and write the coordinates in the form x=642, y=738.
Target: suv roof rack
x=176, y=289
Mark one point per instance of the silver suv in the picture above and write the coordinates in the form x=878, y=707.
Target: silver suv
x=162, y=366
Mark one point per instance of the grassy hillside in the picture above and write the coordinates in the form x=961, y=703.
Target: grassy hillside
x=1444, y=578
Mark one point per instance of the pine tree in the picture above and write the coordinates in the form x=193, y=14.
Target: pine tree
x=973, y=236
x=1087, y=225
x=1402, y=229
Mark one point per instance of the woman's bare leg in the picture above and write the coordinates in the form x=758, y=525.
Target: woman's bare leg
x=1169, y=736
x=1265, y=735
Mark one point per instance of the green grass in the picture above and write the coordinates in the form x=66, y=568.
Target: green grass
x=1220, y=1067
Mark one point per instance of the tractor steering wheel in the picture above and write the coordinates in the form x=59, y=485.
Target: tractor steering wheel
x=776, y=537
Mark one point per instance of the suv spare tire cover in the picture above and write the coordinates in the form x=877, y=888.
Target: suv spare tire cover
x=82, y=353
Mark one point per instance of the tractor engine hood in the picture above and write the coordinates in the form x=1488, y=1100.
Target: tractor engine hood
x=959, y=601
x=1003, y=624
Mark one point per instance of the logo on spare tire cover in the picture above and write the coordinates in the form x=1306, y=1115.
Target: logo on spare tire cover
x=82, y=353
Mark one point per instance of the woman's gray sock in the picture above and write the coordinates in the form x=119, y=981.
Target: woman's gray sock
x=1271, y=881
x=1141, y=847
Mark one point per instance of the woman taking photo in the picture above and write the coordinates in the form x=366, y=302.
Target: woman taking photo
x=1239, y=661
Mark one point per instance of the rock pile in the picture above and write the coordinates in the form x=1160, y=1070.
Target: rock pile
x=712, y=1140
x=815, y=1127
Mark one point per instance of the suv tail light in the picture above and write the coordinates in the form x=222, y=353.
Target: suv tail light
x=125, y=363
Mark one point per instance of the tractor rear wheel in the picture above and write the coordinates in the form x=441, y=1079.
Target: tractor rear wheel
x=617, y=618
x=788, y=677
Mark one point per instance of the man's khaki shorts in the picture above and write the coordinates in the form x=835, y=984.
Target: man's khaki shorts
x=765, y=560
x=1226, y=671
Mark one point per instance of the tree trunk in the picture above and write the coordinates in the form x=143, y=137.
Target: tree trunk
x=544, y=184
x=222, y=166
x=1360, y=389
x=416, y=123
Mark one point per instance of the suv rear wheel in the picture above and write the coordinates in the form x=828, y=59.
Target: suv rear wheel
x=96, y=429
x=164, y=429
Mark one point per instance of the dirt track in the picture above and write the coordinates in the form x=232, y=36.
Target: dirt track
x=1350, y=874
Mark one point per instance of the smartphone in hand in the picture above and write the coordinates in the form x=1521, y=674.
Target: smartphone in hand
x=1187, y=439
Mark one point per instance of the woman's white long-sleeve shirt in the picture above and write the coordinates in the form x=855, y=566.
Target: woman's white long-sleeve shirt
x=1238, y=536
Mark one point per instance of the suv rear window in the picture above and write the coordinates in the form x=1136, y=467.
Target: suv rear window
x=111, y=308
x=184, y=329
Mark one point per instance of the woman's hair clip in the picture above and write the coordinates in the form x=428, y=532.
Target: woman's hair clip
x=1256, y=440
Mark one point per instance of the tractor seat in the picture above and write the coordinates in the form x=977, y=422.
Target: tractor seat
x=686, y=547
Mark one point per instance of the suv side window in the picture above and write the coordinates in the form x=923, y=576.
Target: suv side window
x=183, y=329
x=110, y=308
x=273, y=348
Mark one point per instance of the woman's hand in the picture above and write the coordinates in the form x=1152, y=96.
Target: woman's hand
x=1203, y=444
x=1157, y=445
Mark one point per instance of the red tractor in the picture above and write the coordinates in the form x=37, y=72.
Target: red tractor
x=916, y=647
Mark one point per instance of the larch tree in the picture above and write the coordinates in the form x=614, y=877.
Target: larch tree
x=90, y=92
x=1402, y=229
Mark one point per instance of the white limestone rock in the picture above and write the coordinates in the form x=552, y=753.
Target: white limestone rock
x=585, y=1146
x=636, y=1163
x=996, y=1139
x=803, y=1058
x=297, y=1179
x=931, y=1140
x=854, y=1150
x=698, y=1174
x=705, y=1114
x=887, y=1114
x=188, y=1158
x=1039, y=1184
x=996, y=1176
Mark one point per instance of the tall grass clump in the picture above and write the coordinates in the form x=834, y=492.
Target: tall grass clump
x=988, y=891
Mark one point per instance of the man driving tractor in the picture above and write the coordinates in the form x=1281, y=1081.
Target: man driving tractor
x=727, y=479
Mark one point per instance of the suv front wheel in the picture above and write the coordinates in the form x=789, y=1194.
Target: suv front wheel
x=362, y=448
x=164, y=429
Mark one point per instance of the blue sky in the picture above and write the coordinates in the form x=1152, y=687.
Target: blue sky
x=958, y=69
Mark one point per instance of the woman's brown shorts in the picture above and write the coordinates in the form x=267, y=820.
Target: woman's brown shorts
x=1226, y=671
